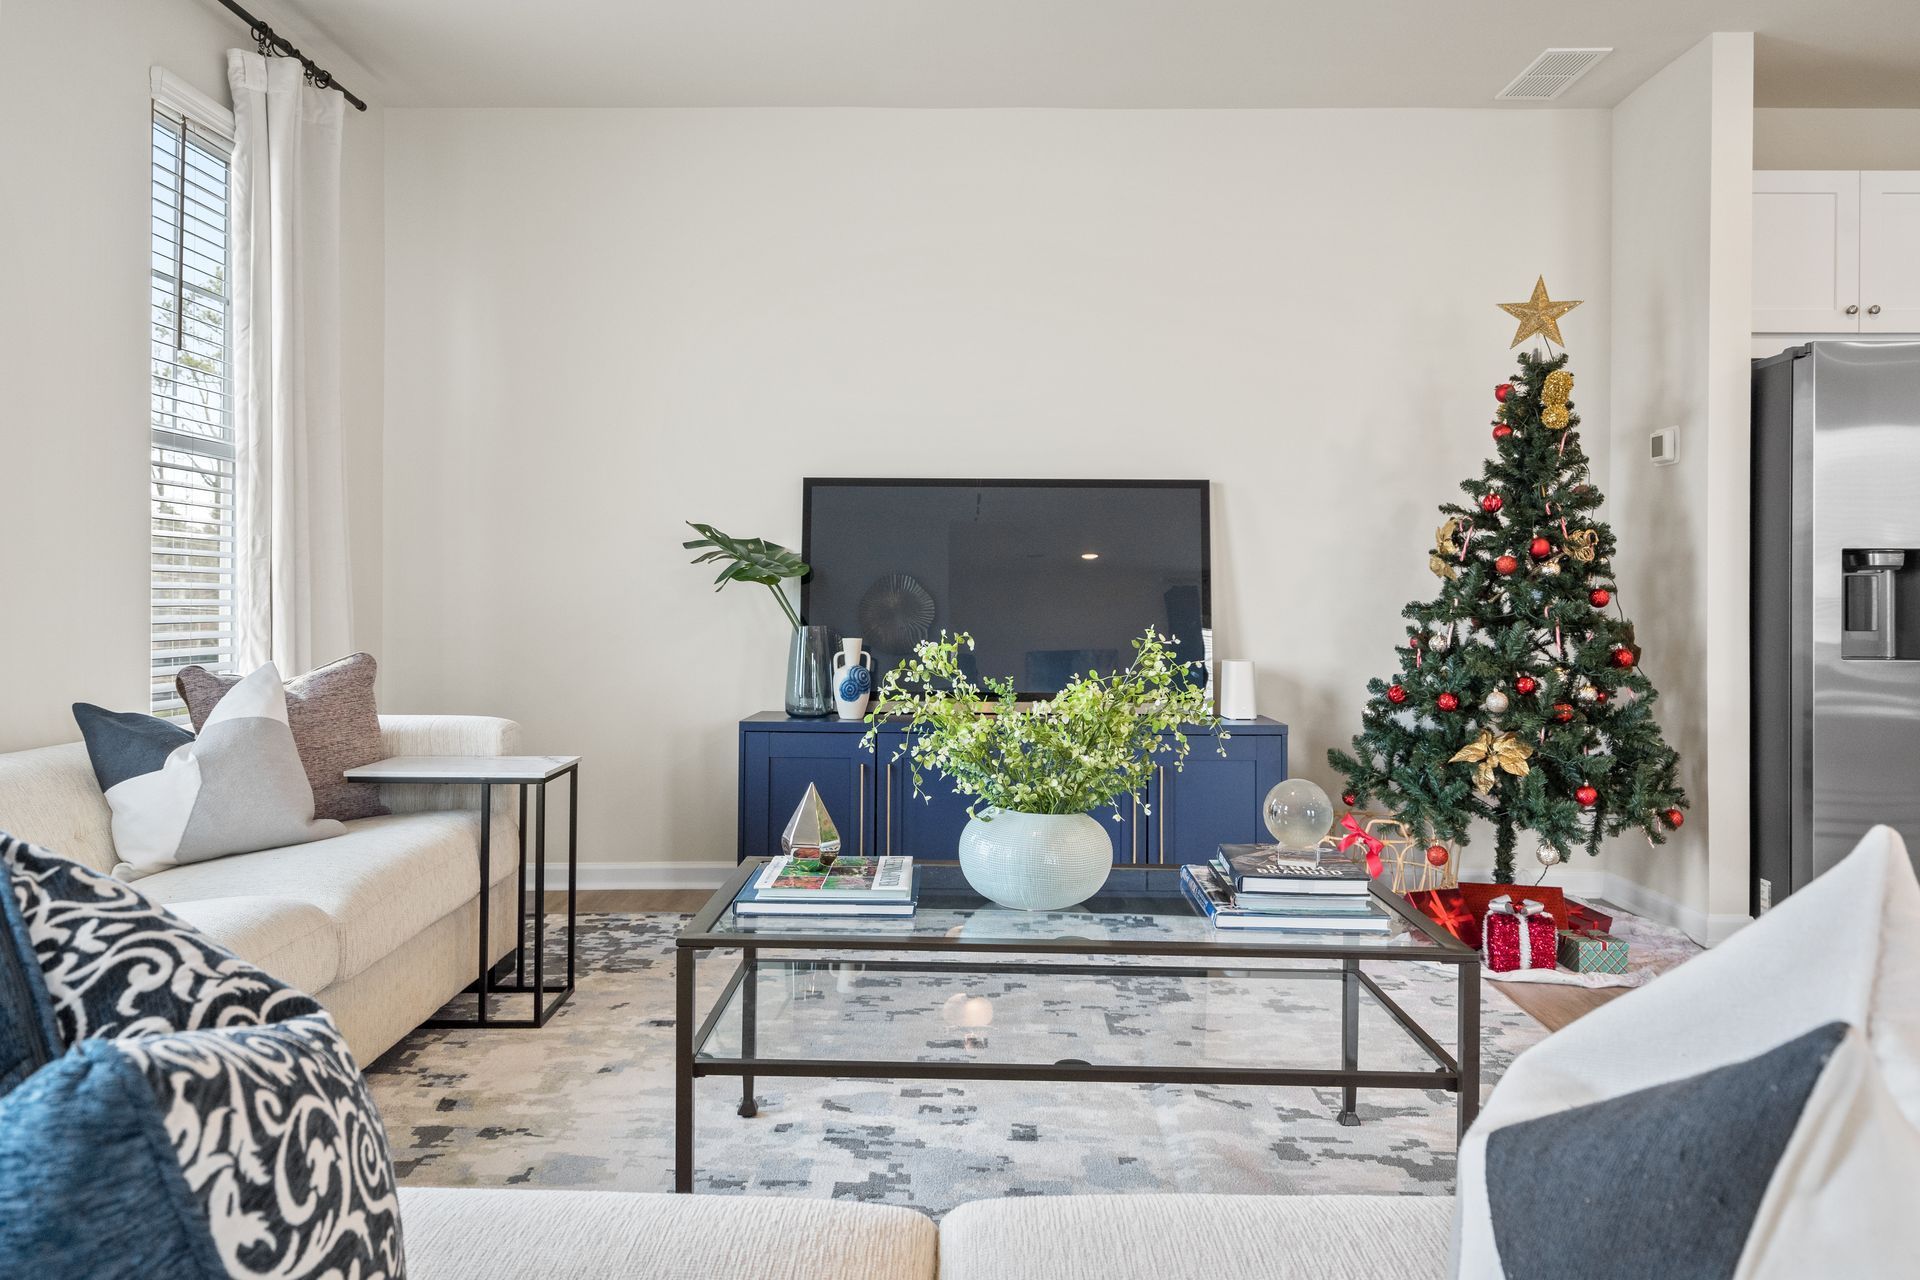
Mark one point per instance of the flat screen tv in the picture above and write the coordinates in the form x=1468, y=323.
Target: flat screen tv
x=1051, y=577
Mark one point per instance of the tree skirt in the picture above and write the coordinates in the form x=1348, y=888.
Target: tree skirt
x=1652, y=949
x=587, y=1102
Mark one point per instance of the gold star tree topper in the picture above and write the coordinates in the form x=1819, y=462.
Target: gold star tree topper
x=1538, y=314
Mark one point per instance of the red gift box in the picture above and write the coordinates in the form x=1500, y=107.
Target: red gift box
x=1460, y=911
x=1581, y=916
x=1518, y=935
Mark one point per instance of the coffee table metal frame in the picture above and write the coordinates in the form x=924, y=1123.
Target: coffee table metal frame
x=527, y=773
x=1457, y=1073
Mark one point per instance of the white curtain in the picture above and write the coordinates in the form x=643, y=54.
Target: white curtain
x=293, y=599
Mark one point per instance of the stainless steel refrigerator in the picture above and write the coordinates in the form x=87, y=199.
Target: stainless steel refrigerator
x=1836, y=605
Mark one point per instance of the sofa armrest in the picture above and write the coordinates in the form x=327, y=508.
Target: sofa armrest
x=448, y=736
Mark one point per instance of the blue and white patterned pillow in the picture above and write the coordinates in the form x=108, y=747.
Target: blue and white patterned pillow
x=210, y=1117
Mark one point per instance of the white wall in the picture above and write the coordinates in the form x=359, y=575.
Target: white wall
x=600, y=324
x=1682, y=235
x=74, y=226
x=1823, y=138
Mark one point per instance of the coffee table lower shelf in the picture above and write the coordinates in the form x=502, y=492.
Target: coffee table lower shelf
x=738, y=1001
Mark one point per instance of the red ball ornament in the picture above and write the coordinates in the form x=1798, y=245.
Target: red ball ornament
x=1675, y=818
x=1501, y=431
x=1396, y=695
x=1349, y=799
x=1505, y=564
x=1502, y=391
x=1562, y=712
x=1437, y=855
x=1599, y=597
x=1539, y=548
x=1447, y=702
x=1599, y=696
x=1525, y=684
x=1491, y=503
x=1587, y=796
x=1622, y=658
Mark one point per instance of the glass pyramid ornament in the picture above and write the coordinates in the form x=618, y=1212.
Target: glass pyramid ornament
x=811, y=827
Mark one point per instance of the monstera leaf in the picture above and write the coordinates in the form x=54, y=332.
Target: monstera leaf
x=748, y=560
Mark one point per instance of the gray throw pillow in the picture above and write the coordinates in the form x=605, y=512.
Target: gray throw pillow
x=335, y=726
x=176, y=798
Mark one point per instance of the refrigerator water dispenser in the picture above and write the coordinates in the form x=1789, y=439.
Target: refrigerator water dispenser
x=1880, y=604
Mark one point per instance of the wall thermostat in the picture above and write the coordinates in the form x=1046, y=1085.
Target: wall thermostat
x=1663, y=446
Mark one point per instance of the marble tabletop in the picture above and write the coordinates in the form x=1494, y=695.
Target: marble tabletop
x=462, y=769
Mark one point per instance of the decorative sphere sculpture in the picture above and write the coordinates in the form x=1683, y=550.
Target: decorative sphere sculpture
x=1298, y=814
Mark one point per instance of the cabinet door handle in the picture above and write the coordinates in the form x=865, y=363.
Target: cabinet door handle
x=860, y=808
x=889, y=807
x=1162, y=771
x=1874, y=310
x=1854, y=309
x=1133, y=834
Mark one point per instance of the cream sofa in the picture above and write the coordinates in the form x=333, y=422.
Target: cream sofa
x=380, y=924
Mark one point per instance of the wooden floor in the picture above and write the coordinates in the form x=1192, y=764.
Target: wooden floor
x=1553, y=1007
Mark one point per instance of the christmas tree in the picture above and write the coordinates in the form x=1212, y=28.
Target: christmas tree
x=1520, y=697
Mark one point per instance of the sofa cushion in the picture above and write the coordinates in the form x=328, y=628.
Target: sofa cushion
x=177, y=799
x=1152, y=1237
x=1787, y=1058
x=294, y=941
x=29, y=1038
x=602, y=1235
x=382, y=882
x=335, y=726
x=48, y=797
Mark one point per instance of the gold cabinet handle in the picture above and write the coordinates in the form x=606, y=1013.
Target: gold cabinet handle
x=860, y=808
x=1162, y=771
x=889, y=807
x=1133, y=834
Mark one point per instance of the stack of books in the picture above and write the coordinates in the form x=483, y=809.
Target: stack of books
x=799, y=885
x=1260, y=887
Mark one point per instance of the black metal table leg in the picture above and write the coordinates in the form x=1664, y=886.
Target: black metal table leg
x=1349, y=1038
x=486, y=879
x=573, y=865
x=749, y=1021
x=539, y=907
x=1469, y=1047
x=520, y=885
x=683, y=962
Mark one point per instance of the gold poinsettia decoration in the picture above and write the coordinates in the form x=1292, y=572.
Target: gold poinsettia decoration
x=1446, y=546
x=1491, y=752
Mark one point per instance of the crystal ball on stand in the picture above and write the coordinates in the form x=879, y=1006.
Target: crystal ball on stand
x=1298, y=814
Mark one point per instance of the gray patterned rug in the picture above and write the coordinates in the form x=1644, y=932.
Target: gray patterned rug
x=587, y=1102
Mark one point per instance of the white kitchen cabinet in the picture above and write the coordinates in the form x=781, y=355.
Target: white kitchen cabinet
x=1836, y=251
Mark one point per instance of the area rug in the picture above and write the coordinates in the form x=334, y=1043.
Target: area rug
x=587, y=1102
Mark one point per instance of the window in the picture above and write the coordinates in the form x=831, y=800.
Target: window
x=191, y=614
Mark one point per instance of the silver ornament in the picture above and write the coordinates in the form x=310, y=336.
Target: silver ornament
x=1497, y=702
x=1441, y=642
x=1586, y=693
x=1550, y=569
x=1546, y=855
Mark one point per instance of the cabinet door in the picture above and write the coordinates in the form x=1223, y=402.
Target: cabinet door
x=775, y=769
x=1806, y=251
x=1890, y=252
x=1215, y=800
x=915, y=826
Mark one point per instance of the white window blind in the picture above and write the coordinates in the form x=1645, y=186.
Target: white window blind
x=193, y=538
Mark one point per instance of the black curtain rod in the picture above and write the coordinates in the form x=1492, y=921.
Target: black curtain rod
x=265, y=36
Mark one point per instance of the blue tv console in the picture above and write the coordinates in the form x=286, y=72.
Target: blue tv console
x=1214, y=799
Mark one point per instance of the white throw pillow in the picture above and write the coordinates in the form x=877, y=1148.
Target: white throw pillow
x=1753, y=1114
x=176, y=798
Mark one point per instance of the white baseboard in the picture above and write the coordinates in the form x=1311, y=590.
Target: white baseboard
x=639, y=875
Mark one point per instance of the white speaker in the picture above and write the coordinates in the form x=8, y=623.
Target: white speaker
x=1236, y=689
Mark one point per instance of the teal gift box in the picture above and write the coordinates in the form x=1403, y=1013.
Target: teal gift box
x=1591, y=951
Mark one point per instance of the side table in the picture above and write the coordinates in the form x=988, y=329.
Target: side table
x=488, y=772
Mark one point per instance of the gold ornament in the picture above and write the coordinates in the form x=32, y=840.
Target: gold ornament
x=1583, y=544
x=1538, y=314
x=1445, y=547
x=1491, y=751
x=1553, y=397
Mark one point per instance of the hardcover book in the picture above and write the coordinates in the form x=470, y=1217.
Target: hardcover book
x=1254, y=868
x=1211, y=898
x=811, y=879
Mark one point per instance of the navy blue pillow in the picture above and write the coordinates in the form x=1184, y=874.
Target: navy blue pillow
x=204, y=1120
x=28, y=1038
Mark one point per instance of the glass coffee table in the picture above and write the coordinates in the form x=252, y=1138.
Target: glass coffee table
x=1130, y=987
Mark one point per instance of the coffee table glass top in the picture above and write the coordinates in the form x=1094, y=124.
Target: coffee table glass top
x=1141, y=911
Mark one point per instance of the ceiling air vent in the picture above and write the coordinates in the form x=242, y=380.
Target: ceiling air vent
x=1551, y=74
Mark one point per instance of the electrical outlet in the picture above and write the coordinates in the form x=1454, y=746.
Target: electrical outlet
x=1766, y=895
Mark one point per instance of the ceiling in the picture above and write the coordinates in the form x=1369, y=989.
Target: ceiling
x=1089, y=53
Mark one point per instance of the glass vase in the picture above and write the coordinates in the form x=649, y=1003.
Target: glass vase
x=809, y=678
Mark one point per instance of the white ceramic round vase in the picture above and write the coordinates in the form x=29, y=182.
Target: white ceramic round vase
x=1035, y=861
x=852, y=679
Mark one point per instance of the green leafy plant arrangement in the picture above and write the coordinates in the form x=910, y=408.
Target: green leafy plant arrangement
x=1098, y=739
x=749, y=560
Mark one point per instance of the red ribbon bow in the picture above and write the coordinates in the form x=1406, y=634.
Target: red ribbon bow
x=1356, y=834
